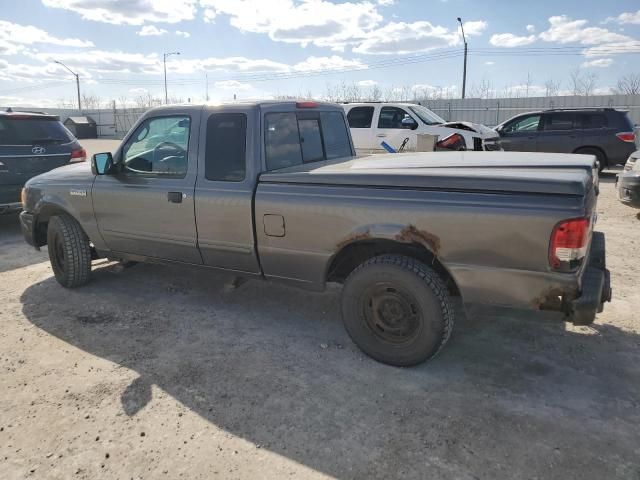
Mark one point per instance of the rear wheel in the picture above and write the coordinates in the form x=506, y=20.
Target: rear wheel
x=397, y=310
x=599, y=154
x=69, y=251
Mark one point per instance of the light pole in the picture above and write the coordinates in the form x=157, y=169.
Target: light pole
x=464, y=71
x=77, y=82
x=164, y=61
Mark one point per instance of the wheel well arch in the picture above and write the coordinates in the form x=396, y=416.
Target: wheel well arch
x=593, y=147
x=45, y=212
x=350, y=256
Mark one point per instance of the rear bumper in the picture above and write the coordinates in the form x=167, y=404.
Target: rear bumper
x=27, y=227
x=628, y=189
x=10, y=207
x=595, y=287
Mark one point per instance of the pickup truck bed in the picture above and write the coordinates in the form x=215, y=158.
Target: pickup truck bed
x=403, y=232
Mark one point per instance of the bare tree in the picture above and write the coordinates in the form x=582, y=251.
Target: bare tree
x=551, y=88
x=90, y=101
x=483, y=90
x=628, y=85
x=527, y=84
x=376, y=93
x=583, y=83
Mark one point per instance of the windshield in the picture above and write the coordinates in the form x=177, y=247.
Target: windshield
x=426, y=115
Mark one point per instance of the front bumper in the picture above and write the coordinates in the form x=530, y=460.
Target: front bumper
x=628, y=188
x=10, y=207
x=595, y=288
x=27, y=227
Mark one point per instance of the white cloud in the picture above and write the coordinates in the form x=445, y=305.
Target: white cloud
x=151, y=31
x=598, y=63
x=509, y=40
x=475, y=27
x=13, y=34
x=403, y=38
x=489, y=63
x=334, y=62
x=22, y=72
x=386, y=3
x=232, y=85
x=104, y=61
x=565, y=30
x=630, y=46
x=367, y=83
x=626, y=17
x=129, y=12
x=531, y=29
x=182, y=34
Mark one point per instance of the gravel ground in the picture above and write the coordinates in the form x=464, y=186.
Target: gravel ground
x=160, y=372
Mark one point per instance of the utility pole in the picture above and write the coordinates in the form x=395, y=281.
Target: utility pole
x=206, y=82
x=164, y=61
x=464, y=70
x=77, y=82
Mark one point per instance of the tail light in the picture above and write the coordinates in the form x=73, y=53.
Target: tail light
x=79, y=155
x=568, y=245
x=629, y=137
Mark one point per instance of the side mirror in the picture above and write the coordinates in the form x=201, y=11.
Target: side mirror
x=101, y=163
x=409, y=123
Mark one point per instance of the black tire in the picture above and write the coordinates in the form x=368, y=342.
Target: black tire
x=599, y=154
x=69, y=251
x=397, y=310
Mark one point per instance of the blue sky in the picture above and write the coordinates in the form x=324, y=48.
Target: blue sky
x=254, y=48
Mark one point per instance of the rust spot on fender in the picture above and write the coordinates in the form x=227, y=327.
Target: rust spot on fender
x=354, y=237
x=410, y=234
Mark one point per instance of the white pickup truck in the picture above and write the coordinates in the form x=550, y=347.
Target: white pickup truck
x=373, y=123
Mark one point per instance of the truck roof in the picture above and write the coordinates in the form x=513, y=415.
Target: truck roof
x=310, y=104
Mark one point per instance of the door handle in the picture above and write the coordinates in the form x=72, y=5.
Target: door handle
x=175, y=197
x=381, y=135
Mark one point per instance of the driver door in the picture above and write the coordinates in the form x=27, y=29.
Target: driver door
x=521, y=135
x=148, y=207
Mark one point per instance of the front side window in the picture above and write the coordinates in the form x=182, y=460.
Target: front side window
x=225, y=158
x=360, y=117
x=391, y=117
x=159, y=147
x=526, y=124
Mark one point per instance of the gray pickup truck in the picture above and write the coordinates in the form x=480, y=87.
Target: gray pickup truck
x=273, y=190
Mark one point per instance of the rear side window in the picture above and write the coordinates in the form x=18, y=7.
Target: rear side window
x=32, y=131
x=592, y=120
x=360, y=117
x=559, y=121
x=225, y=158
x=292, y=139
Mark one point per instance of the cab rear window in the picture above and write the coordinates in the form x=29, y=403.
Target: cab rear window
x=294, y=138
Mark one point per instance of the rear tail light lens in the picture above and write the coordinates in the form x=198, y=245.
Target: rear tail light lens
x=568, y=245
x=627, y=136
x=79, y=155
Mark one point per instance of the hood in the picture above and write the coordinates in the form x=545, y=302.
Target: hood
x=72, y=173
x=482, y=130
x=561, y=174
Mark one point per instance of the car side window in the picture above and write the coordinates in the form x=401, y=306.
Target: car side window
x=592, y=120
x=559, y=121
x=282, y=141
x=525, y=124
x=391, y=117
x=225, y=158
x=159, y=147
x=360, y=117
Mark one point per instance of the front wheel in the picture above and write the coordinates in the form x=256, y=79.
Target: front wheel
x=397, y=310
x=69, y=251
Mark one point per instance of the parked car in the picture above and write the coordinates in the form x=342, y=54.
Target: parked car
x=628, y=182
x=606, y=133
x=31, y=144
x=272, y=190
x=372, y=123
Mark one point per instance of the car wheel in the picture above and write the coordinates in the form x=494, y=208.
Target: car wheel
x=69, y=251
x=397, y=310
x=599, y=154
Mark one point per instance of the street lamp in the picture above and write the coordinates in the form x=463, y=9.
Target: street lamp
x=77, y=81
x=164, y=61
x=464, y=71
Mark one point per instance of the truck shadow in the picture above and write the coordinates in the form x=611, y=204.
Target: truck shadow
x=273, y=365
x=14, y=251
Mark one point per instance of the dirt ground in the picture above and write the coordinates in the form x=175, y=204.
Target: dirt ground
x=160, y=372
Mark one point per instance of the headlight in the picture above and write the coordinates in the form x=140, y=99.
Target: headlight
x=23, y=196
x=632, y=164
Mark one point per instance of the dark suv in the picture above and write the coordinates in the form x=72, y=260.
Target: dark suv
x=30, y=144
x=604, y=132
